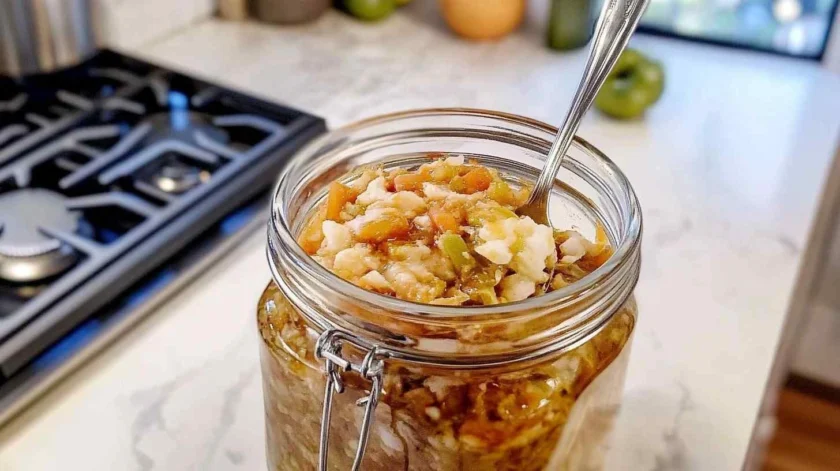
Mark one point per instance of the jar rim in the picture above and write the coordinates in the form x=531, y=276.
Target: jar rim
x=281, y=236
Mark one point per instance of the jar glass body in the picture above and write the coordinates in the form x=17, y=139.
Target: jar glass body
x=530, y=385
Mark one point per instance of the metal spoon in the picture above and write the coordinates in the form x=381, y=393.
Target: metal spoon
x=617, y=21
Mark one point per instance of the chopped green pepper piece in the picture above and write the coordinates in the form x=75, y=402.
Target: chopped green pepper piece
x=456, y=249
x=500, y=192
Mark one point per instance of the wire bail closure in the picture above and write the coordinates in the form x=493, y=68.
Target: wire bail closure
x=328, y=348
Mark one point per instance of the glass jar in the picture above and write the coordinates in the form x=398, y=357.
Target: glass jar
x=391, y=384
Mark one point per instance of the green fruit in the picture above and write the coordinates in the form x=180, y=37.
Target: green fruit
x=370, y=10
x=633, y=85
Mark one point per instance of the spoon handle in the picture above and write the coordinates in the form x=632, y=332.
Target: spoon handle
x=617, y=21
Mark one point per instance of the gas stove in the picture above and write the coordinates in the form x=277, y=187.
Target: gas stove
x=119, y=181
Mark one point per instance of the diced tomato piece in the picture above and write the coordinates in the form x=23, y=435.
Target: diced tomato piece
x=409, y=182
x=478, y=179
x=444, y=221
x=389, y=227
x=390, y=178
x=312, y=235
x=338, y=196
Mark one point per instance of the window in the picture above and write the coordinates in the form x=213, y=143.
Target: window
x=791, y=27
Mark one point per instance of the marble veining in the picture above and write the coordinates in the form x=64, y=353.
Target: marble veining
x=150, y=416
x=233, y=396
x=728, y=180
x=673, y=457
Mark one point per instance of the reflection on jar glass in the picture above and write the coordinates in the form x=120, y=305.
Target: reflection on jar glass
x=530, y=385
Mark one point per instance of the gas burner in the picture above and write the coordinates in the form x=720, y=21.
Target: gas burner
x=177, y=177
x=10, y=293
x=182, y=125
x=26, y=253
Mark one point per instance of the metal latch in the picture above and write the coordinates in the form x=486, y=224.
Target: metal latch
x=328, y=349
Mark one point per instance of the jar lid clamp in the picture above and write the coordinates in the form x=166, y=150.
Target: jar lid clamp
x=328, y=348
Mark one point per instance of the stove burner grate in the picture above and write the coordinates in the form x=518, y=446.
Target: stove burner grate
x=109, y=169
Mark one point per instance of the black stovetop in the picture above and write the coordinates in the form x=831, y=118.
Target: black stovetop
x=107, y=171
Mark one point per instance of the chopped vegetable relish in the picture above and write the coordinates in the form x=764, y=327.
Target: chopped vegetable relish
x=445, y=233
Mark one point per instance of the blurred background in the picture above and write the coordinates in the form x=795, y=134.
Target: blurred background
x=794, y=27
x=139, y=141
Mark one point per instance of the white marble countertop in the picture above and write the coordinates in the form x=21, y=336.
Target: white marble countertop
x=728, y=167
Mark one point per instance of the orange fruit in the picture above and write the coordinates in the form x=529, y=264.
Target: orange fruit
x=483, y=19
